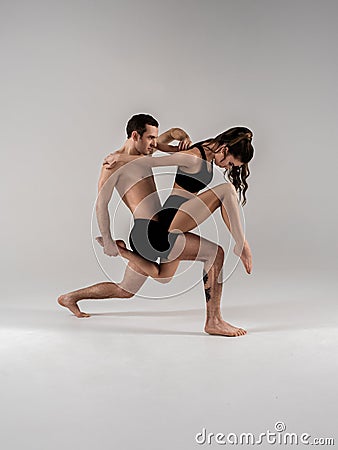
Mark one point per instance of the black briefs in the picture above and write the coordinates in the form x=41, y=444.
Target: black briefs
x=149, y=238
x=170, y=208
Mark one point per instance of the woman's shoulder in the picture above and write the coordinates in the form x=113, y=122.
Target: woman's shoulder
x=194, y=151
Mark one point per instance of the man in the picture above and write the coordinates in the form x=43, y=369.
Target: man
x=138, y=191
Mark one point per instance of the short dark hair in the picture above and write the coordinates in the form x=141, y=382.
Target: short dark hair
x=138, y=123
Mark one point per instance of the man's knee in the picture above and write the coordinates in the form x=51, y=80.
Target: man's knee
x=165, y=280
x=123, y=293
x=215, y=258
x=220, y=254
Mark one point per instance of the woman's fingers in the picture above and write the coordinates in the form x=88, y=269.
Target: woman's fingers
x=184, y=144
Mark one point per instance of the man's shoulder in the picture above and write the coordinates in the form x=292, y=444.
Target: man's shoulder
x=118, y=151
x=106, y=173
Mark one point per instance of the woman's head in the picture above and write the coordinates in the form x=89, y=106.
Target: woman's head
x=238, y=142
x=233, y=151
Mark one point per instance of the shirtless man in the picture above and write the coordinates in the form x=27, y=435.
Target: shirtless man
x=138, y=191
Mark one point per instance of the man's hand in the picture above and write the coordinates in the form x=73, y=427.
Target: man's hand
x=110, y=247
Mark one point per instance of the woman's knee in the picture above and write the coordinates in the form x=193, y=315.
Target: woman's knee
x=225, y=189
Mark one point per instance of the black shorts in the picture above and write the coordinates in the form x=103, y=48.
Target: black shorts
x=151, y=239
x=169, y=209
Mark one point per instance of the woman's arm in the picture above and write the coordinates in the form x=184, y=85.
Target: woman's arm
x=182, y=159
x=174, y=134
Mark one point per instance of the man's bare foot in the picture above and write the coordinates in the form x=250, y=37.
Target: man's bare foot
x=221, y=328
x=67, y=301
x=245, y=255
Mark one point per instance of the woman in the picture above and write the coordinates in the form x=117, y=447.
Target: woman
x=185, y=208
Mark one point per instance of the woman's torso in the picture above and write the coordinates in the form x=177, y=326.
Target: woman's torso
x=188, y=184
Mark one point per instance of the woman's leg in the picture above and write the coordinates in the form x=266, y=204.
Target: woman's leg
x=133, y=280
x=196, y=210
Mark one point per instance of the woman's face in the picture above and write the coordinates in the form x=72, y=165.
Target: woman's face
x=225, y=160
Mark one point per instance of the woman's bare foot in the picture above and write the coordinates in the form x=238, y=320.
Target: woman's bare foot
x=221, y=328
x=245, y=255
x=67, y=301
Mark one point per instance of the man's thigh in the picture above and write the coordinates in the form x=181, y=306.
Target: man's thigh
x=133, y=279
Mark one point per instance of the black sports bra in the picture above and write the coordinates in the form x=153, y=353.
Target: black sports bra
x=194, y=182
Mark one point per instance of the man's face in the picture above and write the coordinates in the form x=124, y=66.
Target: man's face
x=146, y=144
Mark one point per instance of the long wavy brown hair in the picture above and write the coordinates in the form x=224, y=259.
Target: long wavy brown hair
x=238, y=141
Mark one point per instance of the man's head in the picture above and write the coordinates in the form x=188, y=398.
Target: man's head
x=143, y=130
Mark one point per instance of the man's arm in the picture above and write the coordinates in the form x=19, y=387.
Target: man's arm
x=174, y=134
x=107, y=182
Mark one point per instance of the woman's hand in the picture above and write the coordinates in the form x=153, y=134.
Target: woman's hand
x=184, y=144
x=112, y=159
x=182, y=136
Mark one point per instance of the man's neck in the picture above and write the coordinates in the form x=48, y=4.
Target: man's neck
x=129, y=147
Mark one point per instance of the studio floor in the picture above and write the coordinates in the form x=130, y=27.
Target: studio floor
x=142, y=374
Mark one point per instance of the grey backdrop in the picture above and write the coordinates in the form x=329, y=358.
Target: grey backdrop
x=74, y=72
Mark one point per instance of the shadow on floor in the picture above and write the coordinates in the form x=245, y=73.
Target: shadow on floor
x=291, y=314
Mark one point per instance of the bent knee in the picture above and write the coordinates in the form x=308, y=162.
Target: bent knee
x=215, y=256
x=165, y=280
x=229, y=188
x=225, y=189
x=123, y=293
x=220, y=254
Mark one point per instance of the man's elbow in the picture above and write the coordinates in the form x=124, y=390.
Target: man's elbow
x=101, y=205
